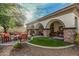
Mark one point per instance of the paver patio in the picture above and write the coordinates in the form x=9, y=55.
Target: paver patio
x=27, y=50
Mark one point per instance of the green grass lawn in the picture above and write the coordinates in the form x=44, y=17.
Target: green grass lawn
x=45, y=41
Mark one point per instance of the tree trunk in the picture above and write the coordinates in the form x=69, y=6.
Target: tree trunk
x=5, y=29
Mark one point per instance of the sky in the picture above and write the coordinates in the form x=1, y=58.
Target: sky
x=34, y=11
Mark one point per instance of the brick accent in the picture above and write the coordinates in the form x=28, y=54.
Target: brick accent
x=69, y=35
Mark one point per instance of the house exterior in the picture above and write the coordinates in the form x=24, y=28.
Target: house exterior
x=63, y=23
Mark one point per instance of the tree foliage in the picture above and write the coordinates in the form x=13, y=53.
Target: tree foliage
x=10, y=15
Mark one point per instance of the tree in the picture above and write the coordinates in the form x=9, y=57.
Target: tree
x=10, y=15
x=4, y=21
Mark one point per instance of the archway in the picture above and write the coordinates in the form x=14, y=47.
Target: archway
x=39, y=28
x=31, y=29
x=56, y=28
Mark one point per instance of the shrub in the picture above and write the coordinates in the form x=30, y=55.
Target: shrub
x=18, y=45
x=77, y=39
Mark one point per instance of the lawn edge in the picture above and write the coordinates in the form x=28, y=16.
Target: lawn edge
x=62, y=47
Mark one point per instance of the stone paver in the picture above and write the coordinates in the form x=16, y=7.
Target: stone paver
x=36, y=51
x=28, y=50
x=5, y=51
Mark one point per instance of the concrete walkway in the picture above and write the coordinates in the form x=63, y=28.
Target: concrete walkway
x=8, y=43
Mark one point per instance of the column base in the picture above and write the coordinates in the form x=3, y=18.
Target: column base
x=69, y=35
x=46, y=32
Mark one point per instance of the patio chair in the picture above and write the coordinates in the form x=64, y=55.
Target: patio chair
x=23, y=36
x=5, y=37
x=17, y=36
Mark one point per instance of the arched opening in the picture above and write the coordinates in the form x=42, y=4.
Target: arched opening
x=56, y=29
x=32, y=30
x=39, y=28
x=32, y=26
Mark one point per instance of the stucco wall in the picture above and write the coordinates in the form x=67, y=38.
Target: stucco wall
x=67, y=19
x=77, y=22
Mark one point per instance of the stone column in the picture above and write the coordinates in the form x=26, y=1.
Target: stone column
x=36, y=31
x=29, y=33
x=69, y=34
x=46, y=32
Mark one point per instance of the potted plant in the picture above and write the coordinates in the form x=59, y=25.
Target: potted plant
x=18, y=45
